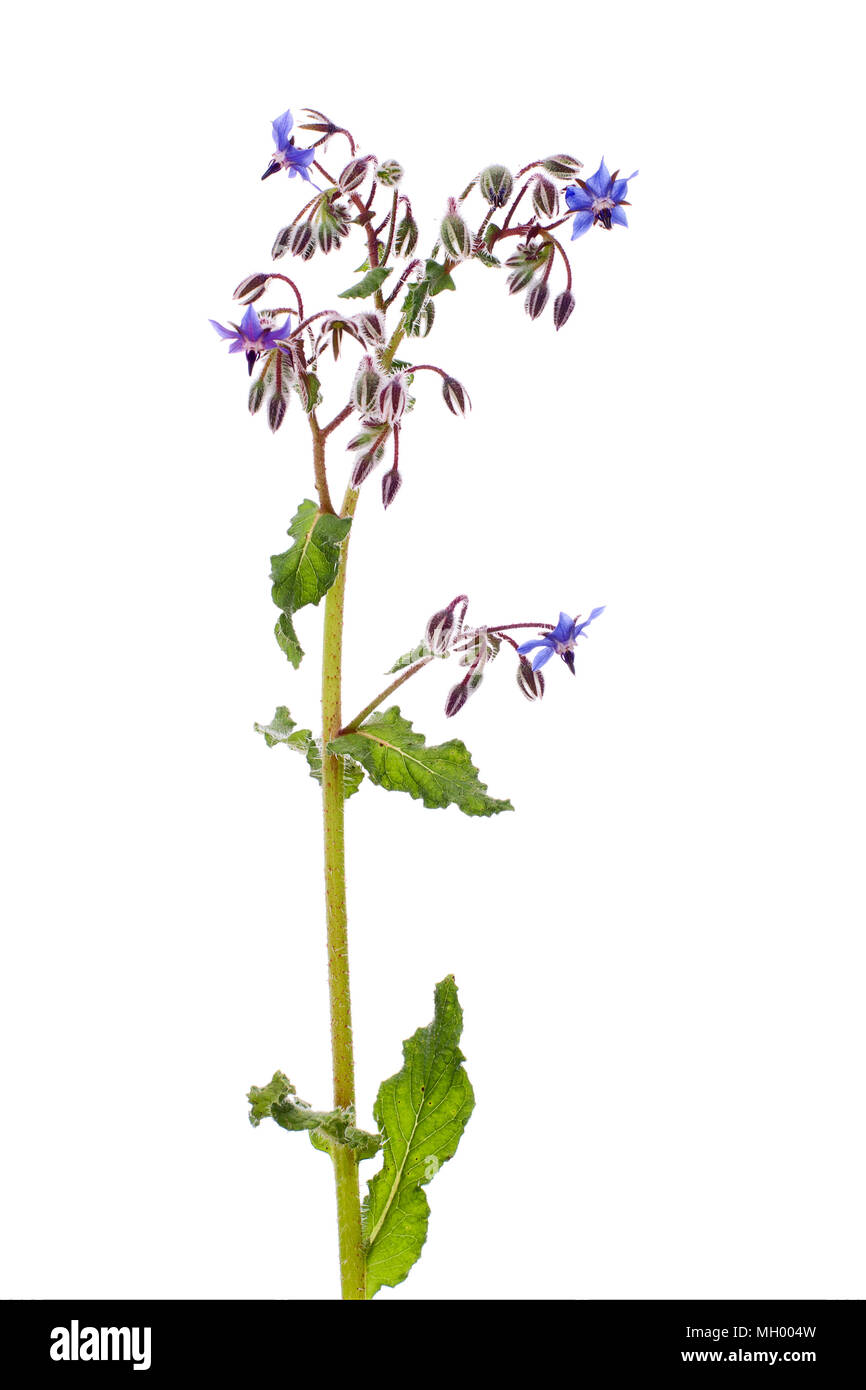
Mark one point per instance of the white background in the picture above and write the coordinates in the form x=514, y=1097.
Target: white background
x=660, y=954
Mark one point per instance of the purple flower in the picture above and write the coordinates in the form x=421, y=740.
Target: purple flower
x=560, y=642
x=253, y=336
x=286, y=155
x=599, y=199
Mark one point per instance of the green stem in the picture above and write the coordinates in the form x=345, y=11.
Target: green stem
x=383, y=695
x=352, y=1262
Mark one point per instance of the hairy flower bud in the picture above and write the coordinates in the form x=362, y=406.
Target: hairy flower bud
x=389, y=173
x=545, y=198
x=520, y=278
x=456, y=397
x=455, y=235
x=253, y=287
x=391, y=484
x=496, y=185
x=406, y=238
x=276, y=411
x=562, y=307
x=257, y=395
x=281, y=242
x=562, y=166
x=353, y=175
x=536, y=299
x=529, y=682
x=367, y=461
x=300, y=238
x=371, y=326
x=440, y=630
x=457, y=697
x=365, y=387
x=392, y=398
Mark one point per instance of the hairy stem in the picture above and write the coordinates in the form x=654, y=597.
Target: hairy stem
x=383, y=695
x=319, y=466
x=352, y=1261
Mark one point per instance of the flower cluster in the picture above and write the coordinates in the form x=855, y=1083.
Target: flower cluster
x=447, y=634
x=521, y=216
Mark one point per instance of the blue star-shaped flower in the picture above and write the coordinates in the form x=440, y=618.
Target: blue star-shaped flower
x=252, y=336
x=287, y=155
x=599, y=199
x=560, y=642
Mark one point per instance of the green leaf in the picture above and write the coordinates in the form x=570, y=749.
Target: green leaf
x=422, y=1112
x=282, y=729
x=409, y=658
x=397, y=758
x=275, y=1102
x=437, y=278
x=287, y=640
x=371, y=282
x=304, y=573
x=353, y=773
x=413, y=304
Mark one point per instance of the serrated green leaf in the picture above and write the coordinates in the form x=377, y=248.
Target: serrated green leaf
x=398, y=759
x=326, y=1127
x=437, y=277
x=422, y=1112
x=409, y=658
x=372, y=281
x=304, y=573
x=282, y=729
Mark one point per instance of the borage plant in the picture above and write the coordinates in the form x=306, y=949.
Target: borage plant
x=422, y=1110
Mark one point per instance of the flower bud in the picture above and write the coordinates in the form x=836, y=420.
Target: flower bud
x=455, y=235
x=276, y=411
x=562, y=166
x=365, y=387
x=562, y=307
x=353, y=175
x=439, y=631
x=456, y=398
x=257, y=395
x=300, y=237
x=536, y=299
x=281, y=242
x=253, y=287
x=545, y=198
x=371, y=326
x=529, y=682
x=406, y=238
x=367, y=461
x=496, y=185
x=391, y=484
x=457, y=698
x=520, y=278
x=389, y=173
x=392, y=398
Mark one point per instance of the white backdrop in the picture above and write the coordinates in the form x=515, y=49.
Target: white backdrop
x=660, y=953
